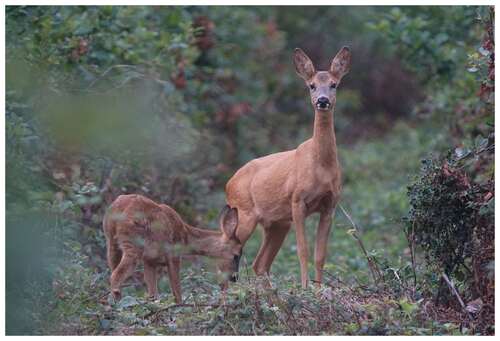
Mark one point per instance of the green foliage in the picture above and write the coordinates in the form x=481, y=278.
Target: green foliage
x=248, y=308
x=65, y=39
x=448, y=216
x=442, y=213
x=447, y=198
x=439, y=44
x=430, y=40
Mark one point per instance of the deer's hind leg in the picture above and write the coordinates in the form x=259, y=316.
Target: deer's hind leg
x=114, y=254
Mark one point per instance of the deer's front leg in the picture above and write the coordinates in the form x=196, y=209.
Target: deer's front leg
x=123, y=271
x=299, y=216
x=150, y=277
x=173, y=268
x=325, y=223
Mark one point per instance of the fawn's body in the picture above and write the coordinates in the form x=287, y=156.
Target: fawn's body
x=137, y=228
x=286, y=187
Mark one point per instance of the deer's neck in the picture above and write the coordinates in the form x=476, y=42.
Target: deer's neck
x=203, y=242
x=324, y=142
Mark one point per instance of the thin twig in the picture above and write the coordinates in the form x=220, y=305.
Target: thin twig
x=253, y=328
x=246, y=269
x=283, y=305
x=410, y=238
x=452, y=288
x=473, y=154
x=232, y=327
x=108, y=70
x=412, y=251
x=106, y=293
x=256, y=302
x=353, y=290
x=373, y=267
x=181, y=305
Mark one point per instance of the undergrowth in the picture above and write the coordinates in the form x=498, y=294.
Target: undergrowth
x=250, y=307
x=370, y=280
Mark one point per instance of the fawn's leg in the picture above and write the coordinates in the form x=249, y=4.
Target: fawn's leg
x=173, y=267
x=123, y=271
x=114, y=254
x=150, y=277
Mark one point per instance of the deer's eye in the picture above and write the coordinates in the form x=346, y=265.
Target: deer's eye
x=312, y=86
x=333, y=85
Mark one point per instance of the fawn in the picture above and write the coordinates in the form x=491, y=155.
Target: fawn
x=138, y=228
x=286, y=187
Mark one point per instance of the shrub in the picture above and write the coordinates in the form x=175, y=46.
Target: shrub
x=441, y=216
x=450, y=215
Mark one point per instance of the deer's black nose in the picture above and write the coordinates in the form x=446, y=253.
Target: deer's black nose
x=236, y=265
x=323, y=102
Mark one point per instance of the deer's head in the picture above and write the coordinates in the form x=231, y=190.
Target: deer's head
x=229, y=258
x=323, y=84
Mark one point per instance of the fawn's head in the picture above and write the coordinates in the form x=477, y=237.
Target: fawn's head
x=229, y=257
x=323, y=84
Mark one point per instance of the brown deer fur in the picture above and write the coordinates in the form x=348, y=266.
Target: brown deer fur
x=137, y=228
x=286, y=187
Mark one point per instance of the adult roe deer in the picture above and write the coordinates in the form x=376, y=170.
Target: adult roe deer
x=138, y=228
x=286, y=187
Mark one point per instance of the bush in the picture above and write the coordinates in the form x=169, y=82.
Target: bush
x=451, y=218
x=441, y=215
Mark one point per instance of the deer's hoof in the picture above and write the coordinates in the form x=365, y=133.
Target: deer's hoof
x=154, y=297
x=117, y=295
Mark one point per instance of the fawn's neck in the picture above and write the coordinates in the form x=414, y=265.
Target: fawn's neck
x=324, y=142
x=204, y=242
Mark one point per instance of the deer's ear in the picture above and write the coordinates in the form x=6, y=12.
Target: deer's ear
x=229, y=221
x=303, y=65
x=341, y=64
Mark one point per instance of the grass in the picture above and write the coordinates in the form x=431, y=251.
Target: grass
x=375, y=174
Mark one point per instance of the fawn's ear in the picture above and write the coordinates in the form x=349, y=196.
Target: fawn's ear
x=341, y=64
x=303, y=65
x=229, y=221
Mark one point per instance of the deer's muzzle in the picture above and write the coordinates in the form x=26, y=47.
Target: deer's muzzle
x=323, y=103
x=236, y=266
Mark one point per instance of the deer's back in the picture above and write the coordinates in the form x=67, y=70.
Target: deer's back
x=137, y=218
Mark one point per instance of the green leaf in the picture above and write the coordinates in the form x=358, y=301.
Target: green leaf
x=407, y=307
x=351, y=232
x=462, y=152
x=127, y=301
x=480, y=142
